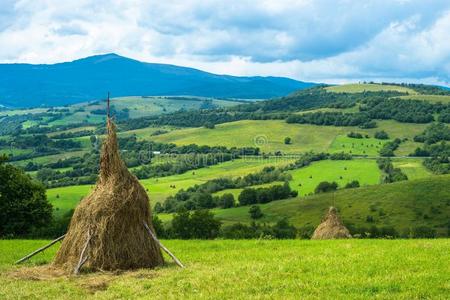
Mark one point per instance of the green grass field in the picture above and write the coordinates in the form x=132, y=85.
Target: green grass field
x=413, y=168
x=66, y=198
x=306, y=179
x=368, y=87
x=252, y=269
x=402, y=205
x=429, y=98
x=365, y=146
x=269, y=135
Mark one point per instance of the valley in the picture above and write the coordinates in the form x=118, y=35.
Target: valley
x=162, y=144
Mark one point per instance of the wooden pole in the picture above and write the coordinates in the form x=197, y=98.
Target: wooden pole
x=175, y=259
x=107, y=107
x=39, y=250
x=83, y=259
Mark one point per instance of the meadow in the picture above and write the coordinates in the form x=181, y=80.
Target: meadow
x=251, y=269
x=401, y=205
x=66, y=198
x=429, y=98
x=364, y=146
x=368, y=87
x=306, y=179
x=269, y=136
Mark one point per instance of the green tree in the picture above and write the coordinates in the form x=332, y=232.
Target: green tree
x=255, y=212
x=23, y=202
x=287, y=140
x=352, y=184
x=247, y=196
x=325, y=187
x=181, y=224
x=226, y=200
x=203, y=225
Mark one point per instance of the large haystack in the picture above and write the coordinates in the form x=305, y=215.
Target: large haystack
x=331, y=227
x=107, y=229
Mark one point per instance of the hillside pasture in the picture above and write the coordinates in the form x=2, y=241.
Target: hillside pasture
x=368, y=87
x=402, y=205
x=306, y=179
x=65, y=198
x=269, y=135
x=364, y=146
x=428, y=98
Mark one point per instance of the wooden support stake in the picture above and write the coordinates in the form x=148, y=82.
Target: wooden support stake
x=175, y=259
x=82, y=258
x=40, y=250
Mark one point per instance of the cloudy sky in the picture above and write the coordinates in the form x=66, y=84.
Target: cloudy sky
x=325, y=41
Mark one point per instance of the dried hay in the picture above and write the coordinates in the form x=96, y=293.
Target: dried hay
x=331, y=227
x=107, y=229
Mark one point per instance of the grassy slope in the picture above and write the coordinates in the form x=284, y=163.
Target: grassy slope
x=367, y=87
x=365, y=146
x=271, y=134
x=224, y=269
x=405, y=205
x=306, y=179
x=413, y=168
x=268, y=135
x=430, y=98
x=159, y=188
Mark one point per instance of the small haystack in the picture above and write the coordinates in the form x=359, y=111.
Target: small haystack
x=331, y=227
x=108, y=230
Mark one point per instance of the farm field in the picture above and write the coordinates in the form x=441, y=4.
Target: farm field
x=364, y=146
x=429, y=98
x=306, y=179
x=252, y=269
x=368, y=87
x=65, y=198
x=269, y=135
x=413, y=168
x=402, y=205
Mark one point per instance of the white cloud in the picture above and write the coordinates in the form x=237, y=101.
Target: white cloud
x=321, y=40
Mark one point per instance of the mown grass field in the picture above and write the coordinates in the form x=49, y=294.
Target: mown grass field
x=413, y=168
x=364, y=146
x=368, y=87
x=269, y=136
x=253, y=269
x=306, y=179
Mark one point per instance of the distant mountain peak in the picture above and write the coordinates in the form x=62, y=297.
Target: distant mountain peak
x=91, y=77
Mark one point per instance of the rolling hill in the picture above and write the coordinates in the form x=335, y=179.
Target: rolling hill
x=25, y=85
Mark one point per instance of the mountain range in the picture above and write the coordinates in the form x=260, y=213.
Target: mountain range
x=90, y=78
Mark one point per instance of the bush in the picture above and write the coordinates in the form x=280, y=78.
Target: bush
x=239, y=231
x=209, y=125
x=381, y=135
x=423, y=232
x=325, y=187
x=352, y=184
x=284, y=230
x=198, y=225
x=287, y=140
x=355, y=135
x=255, y=212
